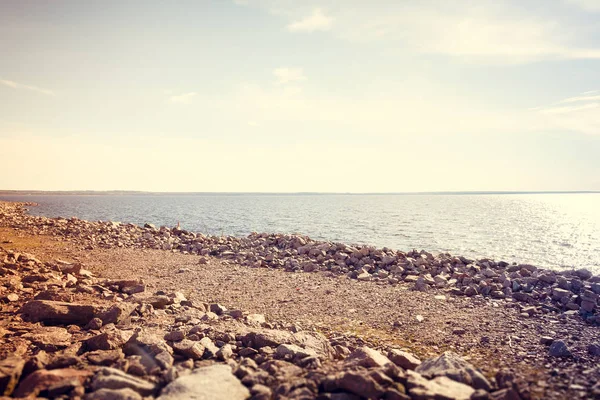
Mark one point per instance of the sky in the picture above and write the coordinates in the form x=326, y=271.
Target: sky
x=300, y=95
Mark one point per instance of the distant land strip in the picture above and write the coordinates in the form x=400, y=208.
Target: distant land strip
x=146, y=193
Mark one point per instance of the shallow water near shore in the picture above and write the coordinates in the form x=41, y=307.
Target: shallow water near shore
x=549, y=230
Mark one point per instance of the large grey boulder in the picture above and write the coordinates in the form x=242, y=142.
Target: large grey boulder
x=216, y=382
x=454, y=367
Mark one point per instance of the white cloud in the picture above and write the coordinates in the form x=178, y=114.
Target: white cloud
x=582, y=114
x=317, y=21
x=485, y=31
x=587, y=5
x=185, y=98
x=287, y=75
x=17, y=85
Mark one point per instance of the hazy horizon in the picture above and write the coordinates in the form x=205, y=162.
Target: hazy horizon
x=281, y=96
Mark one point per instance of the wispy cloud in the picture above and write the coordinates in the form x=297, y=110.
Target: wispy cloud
x=17, y=85
x=287, y=75
x=578, y=113
x=317, y=21
x=185, y=98
x=587, y=5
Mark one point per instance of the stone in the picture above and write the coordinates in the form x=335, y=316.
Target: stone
x=403, y=359
x=111, y=378
x=594, y=349
x=439, y=388
x=94, y=324
x=215, y=382
x=558, y=348
x=43, y=379
x=113, y=394
x=189, y=348
x=104, y=357
x=57, y=312
x=225, y=352
x=360, y=384
x=148, y=345
x=451, y=365
x=368, y=357
x=273, y=338
x=255, y=319
x=110, y=340
x=217, y=309
x=117, y=313
x=159, y=301
x=293, y=352
x=10, y=372
x=49, y=338
x=558, y=293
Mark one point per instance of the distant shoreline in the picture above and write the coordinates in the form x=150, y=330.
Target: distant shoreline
x=144, y=193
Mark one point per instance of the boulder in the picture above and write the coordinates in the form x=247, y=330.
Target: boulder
x=57, y=312
x=451, y=365
x=210, y=383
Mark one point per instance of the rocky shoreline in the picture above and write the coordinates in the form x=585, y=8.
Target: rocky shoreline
x=572, y=292
x=69, y=334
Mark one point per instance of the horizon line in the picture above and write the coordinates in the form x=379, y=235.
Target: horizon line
x=141, y=192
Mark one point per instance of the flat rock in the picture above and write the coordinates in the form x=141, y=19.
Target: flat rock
x=359, y=383
x=49, y=338
x=113, y=394
x=273, y=338
x=189, y=348
x=368, y=357
x=57, y=312
x=10, y=372
x=42, y=380
x=454, y=367
x=111, y=378
x=110, y=340
x=209, y=383
x=403, y=359
x=439, y=388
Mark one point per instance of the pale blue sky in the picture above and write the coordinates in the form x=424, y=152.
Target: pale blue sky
x=281, y=95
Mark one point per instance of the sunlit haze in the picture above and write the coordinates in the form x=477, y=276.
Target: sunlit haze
x=295, y=96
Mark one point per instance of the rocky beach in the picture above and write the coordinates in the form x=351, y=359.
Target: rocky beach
x=109, y=310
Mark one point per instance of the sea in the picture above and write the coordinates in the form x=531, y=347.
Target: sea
x=551, y=230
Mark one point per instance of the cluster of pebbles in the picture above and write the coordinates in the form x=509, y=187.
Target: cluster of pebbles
x=67, y=334
x=571, y=292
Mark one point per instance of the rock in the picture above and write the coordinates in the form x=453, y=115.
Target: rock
x=451, y=365
x=43, y=379
x=225, y=352
x=104, y=357
x=293, y=352
x=94, y=324
x=158, y=302
x=149, y=346
x=367, y=357
x=49, y=338
x=403, y=359
x=189, y=348
x=558, y=348
x=558, y=293
x=360, y=384
x=113, y=394
x=111, y=378
x=217, y=309
x=110, y=340
x=273, y=338
x=255, y=319
x=594, y=349
x=210, y=350
x=439, y=388
x=117, y=313
x=210, y=383
x=58, y=313
x=10, y=372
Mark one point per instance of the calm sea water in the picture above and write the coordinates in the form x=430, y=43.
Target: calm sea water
x=550, y=230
